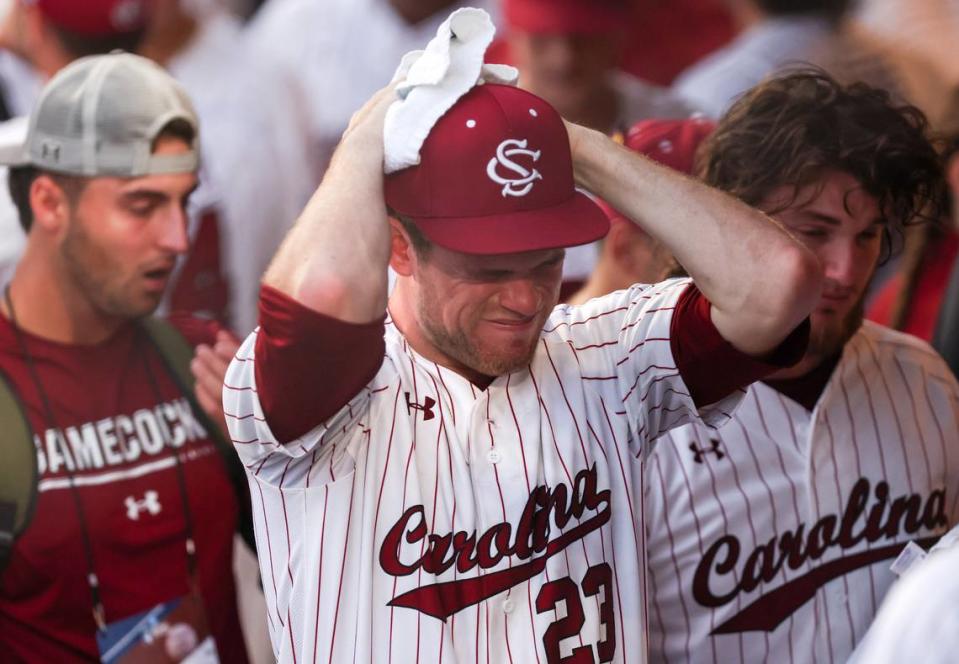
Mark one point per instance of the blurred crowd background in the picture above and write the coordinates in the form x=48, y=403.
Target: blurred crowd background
x=275, y=83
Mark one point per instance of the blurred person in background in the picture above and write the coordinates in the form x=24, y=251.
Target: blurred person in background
x=920, y=38
x=776, y=34
x=568, y=52
x=628, y=255
x=667, y=36
x=911, y=299
x=335, y=54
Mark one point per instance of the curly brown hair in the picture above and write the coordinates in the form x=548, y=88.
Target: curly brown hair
x=791, y=129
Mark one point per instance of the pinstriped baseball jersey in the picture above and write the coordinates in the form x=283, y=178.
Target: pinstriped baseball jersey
x=770, y=539
x=431, y=521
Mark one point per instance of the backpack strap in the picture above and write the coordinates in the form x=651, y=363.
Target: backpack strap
x=18, y=470
x=177, y=354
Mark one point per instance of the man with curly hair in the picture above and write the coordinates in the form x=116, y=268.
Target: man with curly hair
x=771, y=538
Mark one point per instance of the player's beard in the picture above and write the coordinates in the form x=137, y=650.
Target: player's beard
x=828, y=337
x=458, y=345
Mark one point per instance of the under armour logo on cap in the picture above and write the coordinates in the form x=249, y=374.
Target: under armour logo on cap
x=526, y=177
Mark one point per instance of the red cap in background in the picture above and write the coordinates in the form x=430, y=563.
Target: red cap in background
x=566, y=16
x=495, y=176
x=95, y=18
x=672, y=143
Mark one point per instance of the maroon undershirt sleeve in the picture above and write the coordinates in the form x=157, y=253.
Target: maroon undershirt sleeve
x=709, y=365
x=309, y=365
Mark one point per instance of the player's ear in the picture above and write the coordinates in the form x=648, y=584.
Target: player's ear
x=402, y=257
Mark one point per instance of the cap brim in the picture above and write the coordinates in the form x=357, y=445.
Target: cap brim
x=574, y=222
x=13, y=139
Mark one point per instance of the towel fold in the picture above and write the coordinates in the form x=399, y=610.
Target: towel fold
x=430, y=81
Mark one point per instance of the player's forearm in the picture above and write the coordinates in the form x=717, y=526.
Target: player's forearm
x=334, y=260
x=760, y=281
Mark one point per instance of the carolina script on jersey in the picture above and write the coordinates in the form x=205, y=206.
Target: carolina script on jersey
x=119, y=440
x=546, y=506
x=885, y=518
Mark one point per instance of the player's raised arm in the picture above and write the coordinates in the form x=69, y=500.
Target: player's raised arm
x=760, y=281
x=323, y=302
x=334, y=260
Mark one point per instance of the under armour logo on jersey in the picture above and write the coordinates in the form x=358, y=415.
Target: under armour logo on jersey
x=700, y=452
x=426, y=407
x=150, y=503
x=525, y=177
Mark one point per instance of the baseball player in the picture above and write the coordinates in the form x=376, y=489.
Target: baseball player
x=770, y=539
x=452, y=483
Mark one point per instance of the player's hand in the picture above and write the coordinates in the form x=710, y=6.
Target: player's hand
x=209, y=369
x=369, y=119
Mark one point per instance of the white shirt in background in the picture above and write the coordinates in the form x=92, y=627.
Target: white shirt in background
x=337, y=53
x=714, y=83
x=254, y=163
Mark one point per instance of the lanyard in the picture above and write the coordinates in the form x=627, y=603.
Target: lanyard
x=51, y=422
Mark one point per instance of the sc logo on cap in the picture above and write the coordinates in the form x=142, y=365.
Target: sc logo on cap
x=522, y=184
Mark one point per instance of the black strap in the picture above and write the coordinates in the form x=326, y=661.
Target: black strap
x=176, y=354
x=18, y=469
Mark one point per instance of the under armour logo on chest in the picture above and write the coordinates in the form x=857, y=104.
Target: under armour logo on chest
x=426, y=407
x=523, y=178
x=700, y=452
x=150, y=503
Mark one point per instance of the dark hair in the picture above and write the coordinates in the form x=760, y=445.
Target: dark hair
x=791, y=129
x=834, y=9
x=20, y=178
x=78, y=45
x=919, y=244
x=421, y=244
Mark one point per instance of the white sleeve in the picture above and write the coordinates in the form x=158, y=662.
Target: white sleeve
x=919, y=619
x=325, y=452
x=631, y=330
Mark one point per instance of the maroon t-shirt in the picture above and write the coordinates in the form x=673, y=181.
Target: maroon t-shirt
x=114, y=424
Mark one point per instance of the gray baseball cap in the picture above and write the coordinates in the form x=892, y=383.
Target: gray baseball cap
x=100, y=116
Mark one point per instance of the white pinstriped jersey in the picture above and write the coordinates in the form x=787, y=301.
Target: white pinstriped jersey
x=429, y=521
x=770, y=539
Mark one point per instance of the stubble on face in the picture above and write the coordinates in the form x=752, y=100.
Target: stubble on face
x=827, y=337
x=461, y=347
x=98, y=276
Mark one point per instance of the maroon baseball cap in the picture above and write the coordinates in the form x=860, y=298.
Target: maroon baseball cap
x=496, y=177
x=672, y=143
x=566, y=16
x=95, y=18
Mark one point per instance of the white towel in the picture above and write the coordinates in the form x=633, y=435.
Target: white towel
x=430, y=81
